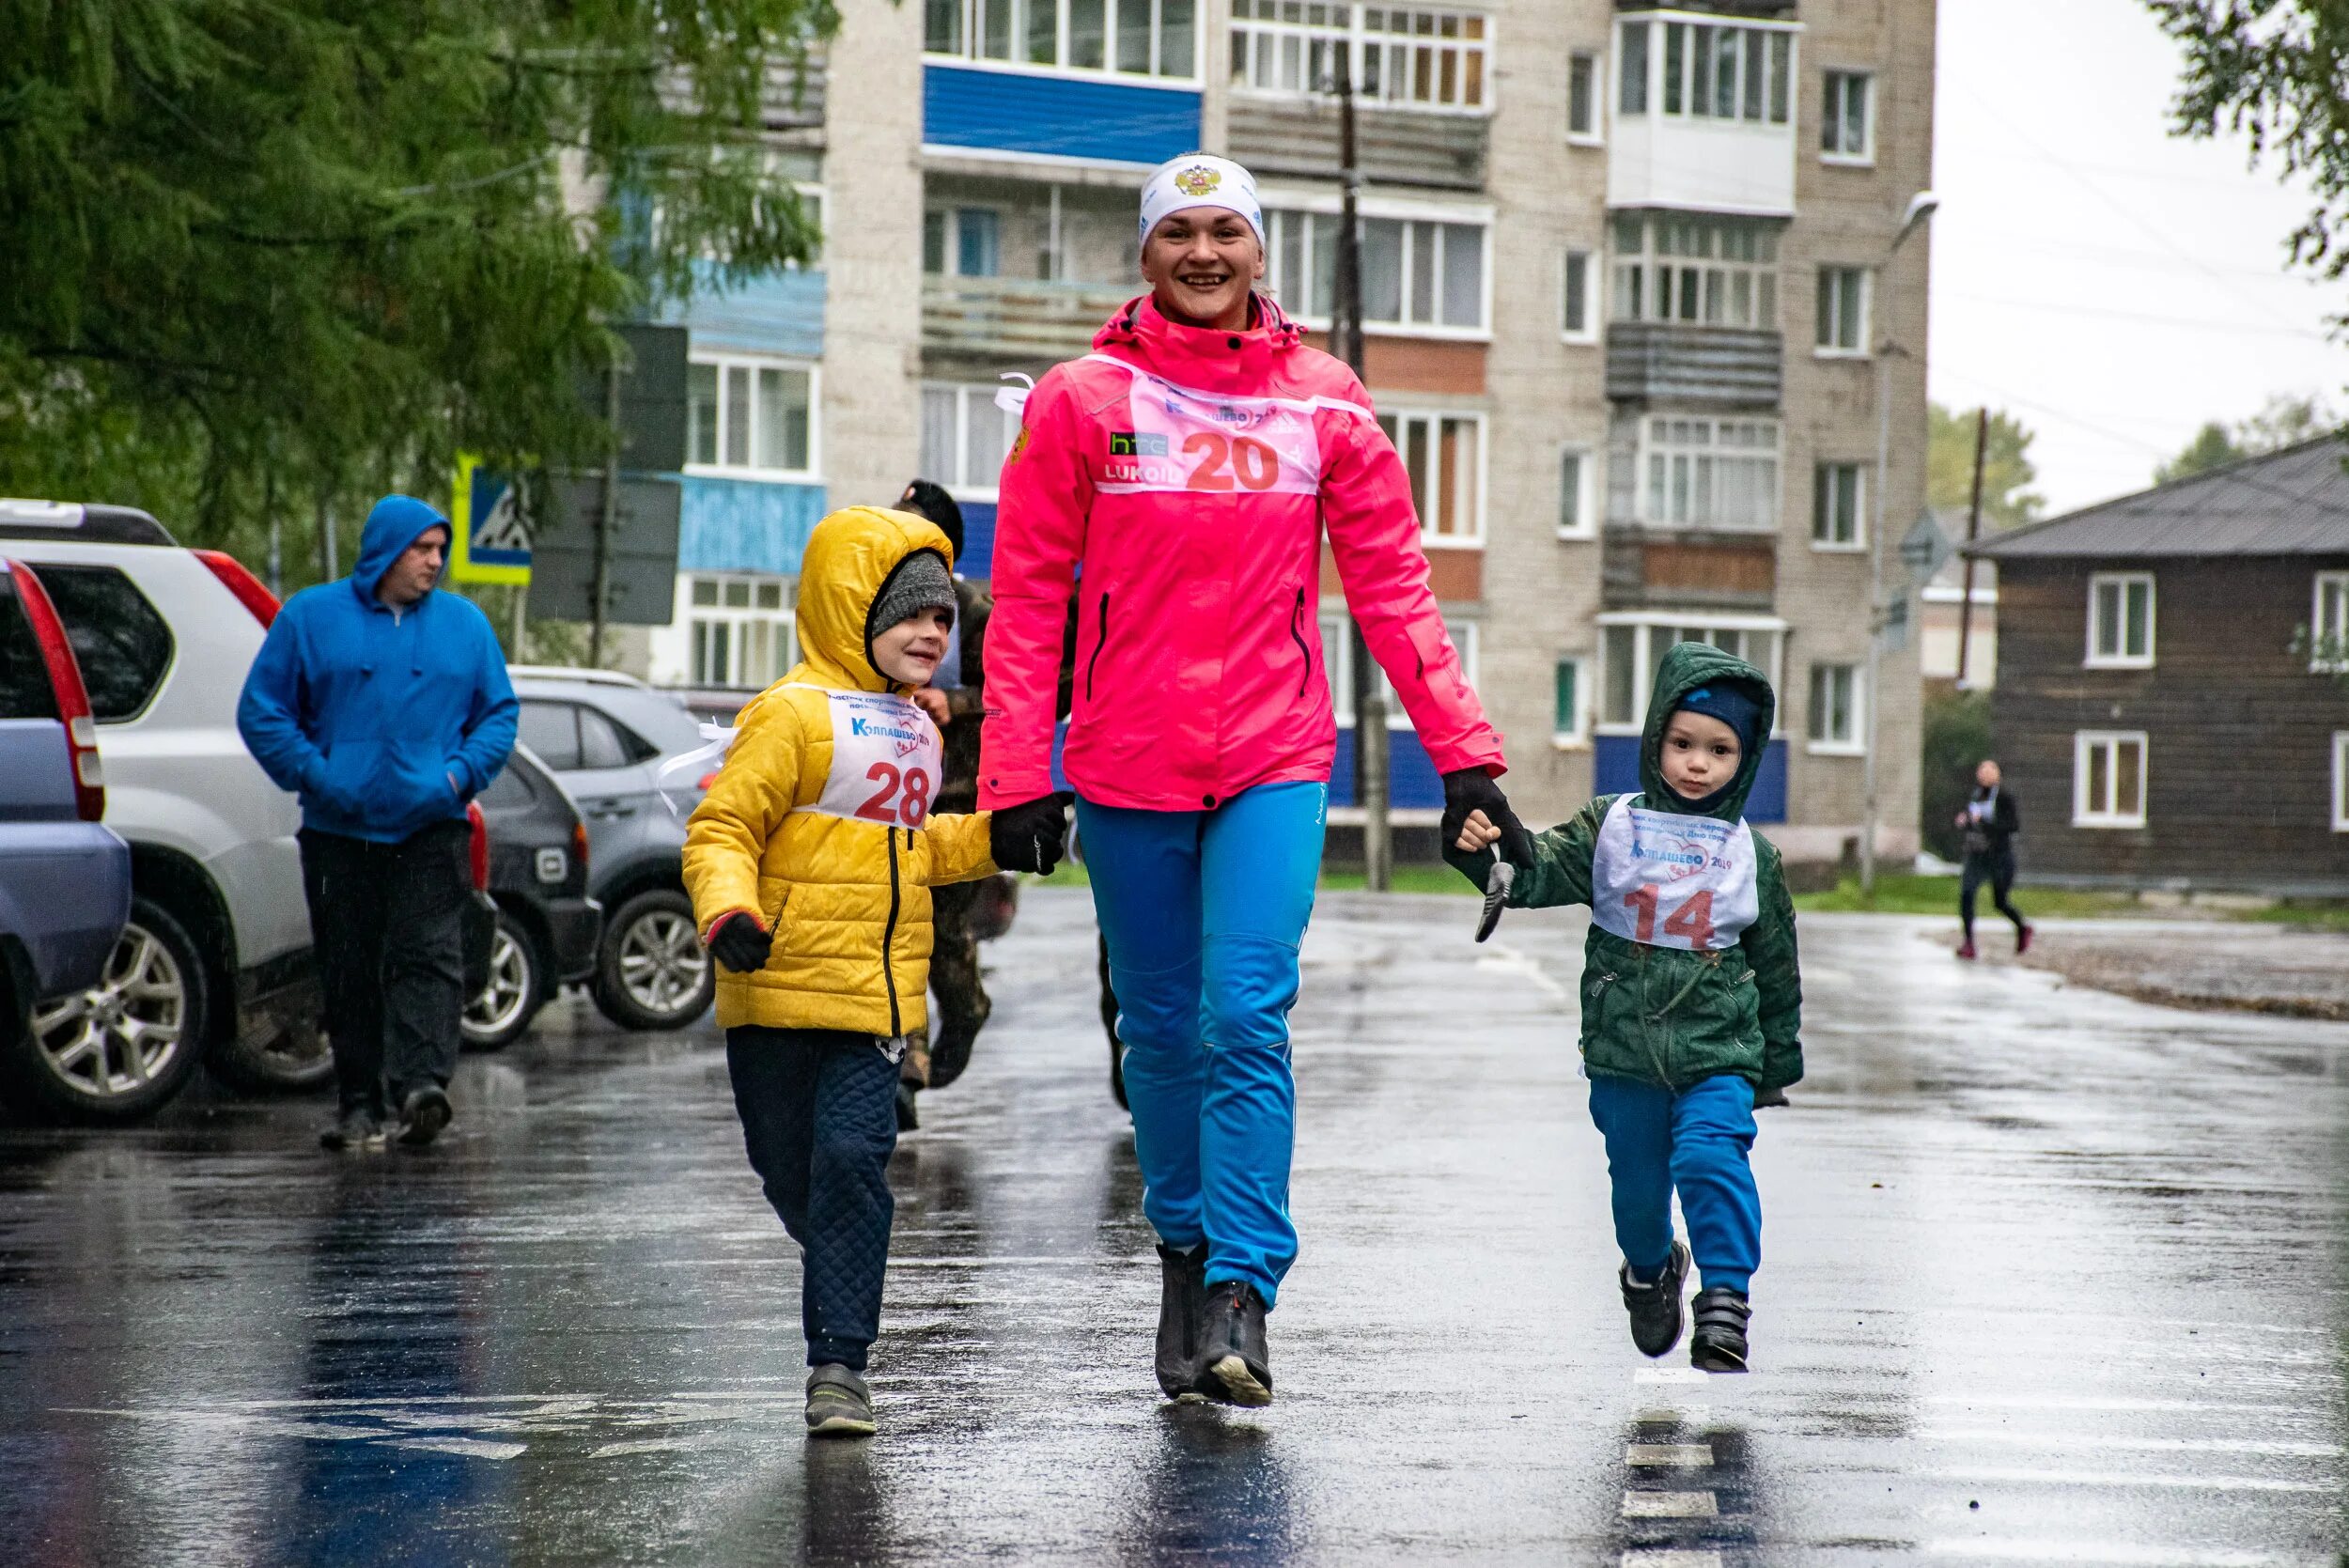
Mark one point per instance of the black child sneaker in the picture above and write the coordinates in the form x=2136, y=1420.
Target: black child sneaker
x=1233, y=1367
x=423, y=1115
x=1182, y=1314
x=1654, y=1307
x=838, y=1403
x=355, y=1129
x=1719, y=1343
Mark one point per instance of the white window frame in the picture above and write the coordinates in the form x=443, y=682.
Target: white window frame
x=2123, y=582
x=693, y=620
x=1834, y=114
x=1643, y=624
x=1337, y=662
x=1827, y=329
x=1698, y=455
x=725, y=363
x=1436, y=478
x=1577, y=735
x=1283, y=210
x=961, y=485
x=1782, y=66
x=2340, y=781
x=1594, y=134
x=1593, y=263
x=1389, y=53
x=1858, y=543
x=950, y=240
x=1191, y=74
x=2106, y=814
x=1854, y=743
x=1588, y=491
x=1699, y=284
x=2332, y=586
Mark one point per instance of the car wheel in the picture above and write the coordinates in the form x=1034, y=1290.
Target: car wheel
x=651, y=972
x=509, y=998
x=122, y=1048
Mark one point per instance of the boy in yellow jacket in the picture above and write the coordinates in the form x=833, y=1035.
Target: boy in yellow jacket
x=810, y=863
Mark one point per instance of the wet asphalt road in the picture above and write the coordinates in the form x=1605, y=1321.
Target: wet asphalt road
x=2049, y=1277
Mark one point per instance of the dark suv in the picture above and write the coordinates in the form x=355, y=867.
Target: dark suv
x=547, y=925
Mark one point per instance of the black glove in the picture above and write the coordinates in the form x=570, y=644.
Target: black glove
x=1765, y=1098
x=1031, y=835
x=741, y=944
x=1472, y=789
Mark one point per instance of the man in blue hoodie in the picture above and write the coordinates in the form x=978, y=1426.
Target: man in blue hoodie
x=385, y=707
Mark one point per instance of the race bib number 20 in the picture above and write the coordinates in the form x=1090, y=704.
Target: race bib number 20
x=1175, y=438
x=1666, y=880
x=885, y=761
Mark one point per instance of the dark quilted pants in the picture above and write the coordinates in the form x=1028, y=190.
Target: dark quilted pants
x=819, y=1117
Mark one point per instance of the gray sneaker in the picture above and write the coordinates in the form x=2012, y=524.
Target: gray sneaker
x=838, y=1403
x=355, y=1129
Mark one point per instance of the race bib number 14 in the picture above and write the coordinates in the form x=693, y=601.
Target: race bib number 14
x=1666, y=880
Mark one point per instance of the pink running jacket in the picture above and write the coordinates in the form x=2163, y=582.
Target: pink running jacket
x=1186, y=472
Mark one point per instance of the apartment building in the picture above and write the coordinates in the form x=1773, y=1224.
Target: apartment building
x=1627, y=289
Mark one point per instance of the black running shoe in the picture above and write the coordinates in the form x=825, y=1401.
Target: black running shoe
x=1718, y=1341
x=423, y=1115
x=1654, y=1307
x=838, y=1403
x=1182, y=1313
x=1232, y=1368
x=355, y=1129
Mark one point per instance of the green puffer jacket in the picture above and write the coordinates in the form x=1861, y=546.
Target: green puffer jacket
x=1664, y=1015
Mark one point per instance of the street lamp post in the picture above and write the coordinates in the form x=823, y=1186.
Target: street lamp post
x=1920, y=208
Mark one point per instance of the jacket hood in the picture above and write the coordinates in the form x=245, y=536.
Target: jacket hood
x=1686, y=667
x=849, y=556
x=397, y=523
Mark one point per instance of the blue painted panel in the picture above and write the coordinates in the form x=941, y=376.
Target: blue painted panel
x=1060, y=116
x=1412, y=782
x=746, y=524
x=979, y=539
x=1616, y=771
x=776, y=313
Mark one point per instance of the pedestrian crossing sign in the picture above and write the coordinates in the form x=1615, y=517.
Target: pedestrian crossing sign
x=492, y=527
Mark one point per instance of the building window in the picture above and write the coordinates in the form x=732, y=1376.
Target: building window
x=2328, y=624
x=1847, y=122
x=1411, y=57
x=2340, y=781
x=1570, y=715
x=1710, y=473
x=1632, y=648
x=1128, y=37
x=751, y=416
x=1842, y=310
x=964, y=438
x=1835, y=717
x=1582, y=89
x=1838, y=494
x=1301, y=262
x=1337, y=662
x=962, y=241
x=2108, y=779
x=1709, y=71
x=1444, y=454
x=2120, y=621
x=1417, y=275
x=1578, y=493
x=1708, y=272
x=1578, y=311
x=738, y=628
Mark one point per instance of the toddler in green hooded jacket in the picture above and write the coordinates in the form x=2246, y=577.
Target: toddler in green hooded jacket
x=1691, y=992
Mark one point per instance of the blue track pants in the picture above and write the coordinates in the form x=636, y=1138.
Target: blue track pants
x=1696, y=1141
x=1204, y=911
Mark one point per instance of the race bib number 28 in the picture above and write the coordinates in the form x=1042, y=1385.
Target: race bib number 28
x=1668, y=880
x=885, y=761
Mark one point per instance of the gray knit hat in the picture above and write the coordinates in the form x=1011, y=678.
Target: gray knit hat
x=920, y=583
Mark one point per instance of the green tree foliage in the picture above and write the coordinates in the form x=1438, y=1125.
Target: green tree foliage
x=2007, y=498
x=289, y=254
x=2285, y=421
x=1955, y=738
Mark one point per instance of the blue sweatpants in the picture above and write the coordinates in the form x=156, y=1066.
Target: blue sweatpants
x=1204, y=911
x=1697, y=1142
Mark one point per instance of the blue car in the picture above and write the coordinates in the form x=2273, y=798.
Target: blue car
x=65, y=877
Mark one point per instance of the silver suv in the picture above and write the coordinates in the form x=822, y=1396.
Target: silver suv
x=607, y=737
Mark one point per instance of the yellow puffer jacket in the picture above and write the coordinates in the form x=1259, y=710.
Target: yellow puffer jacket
x=840, y=868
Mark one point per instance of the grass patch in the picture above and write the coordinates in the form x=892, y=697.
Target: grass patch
x=1408, y=879
x=1907, y=893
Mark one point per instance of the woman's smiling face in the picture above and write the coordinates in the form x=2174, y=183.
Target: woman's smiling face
x=1200, y=264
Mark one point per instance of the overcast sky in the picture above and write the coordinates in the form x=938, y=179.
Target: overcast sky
x=2111, y=285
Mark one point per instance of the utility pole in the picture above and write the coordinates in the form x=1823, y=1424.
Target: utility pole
x=607, y=518
x=1973, y=532
x=1369, y=693
x=276, y=535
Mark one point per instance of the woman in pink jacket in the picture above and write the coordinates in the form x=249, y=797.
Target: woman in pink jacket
x=1176, y=482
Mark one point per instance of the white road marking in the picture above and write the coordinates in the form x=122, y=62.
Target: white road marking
x=1671, y=1505
x=1674, y=1415
x=649, y=1444
x=2147, y=1445
x=465, y=1446
x=1686, y=1456
x=1670, y=1557
x=2043, y=1551
x=2104, y=1478
x=1503, y=958
x=1669, y=1374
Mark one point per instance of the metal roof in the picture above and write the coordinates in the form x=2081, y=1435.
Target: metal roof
x=2294, y=502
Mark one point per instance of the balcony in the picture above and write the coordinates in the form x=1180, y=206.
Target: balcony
x=1299, y=137
x=1686, y=568
x=1704, y=114
x=1011, y=322
x=1694, y=366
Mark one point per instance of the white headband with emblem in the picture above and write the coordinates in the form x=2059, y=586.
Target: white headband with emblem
x=1199, y=179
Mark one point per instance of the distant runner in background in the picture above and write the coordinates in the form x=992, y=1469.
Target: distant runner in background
x=1991, y=822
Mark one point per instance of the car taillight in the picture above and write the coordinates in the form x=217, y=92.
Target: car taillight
x=478, y=851
x=579, y=845
x=65, y=677
x=250, y=590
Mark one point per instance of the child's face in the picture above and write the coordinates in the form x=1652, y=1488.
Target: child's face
x=1700, y=755
x=909, y=652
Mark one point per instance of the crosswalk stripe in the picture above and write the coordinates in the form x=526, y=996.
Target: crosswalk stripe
x=1675, y=1456
x=1669, y=1557
x=1669, y=1505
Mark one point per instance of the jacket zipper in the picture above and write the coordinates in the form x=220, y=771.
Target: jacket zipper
x=889, y=939
x=1296, y=635
x=1098, y=642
